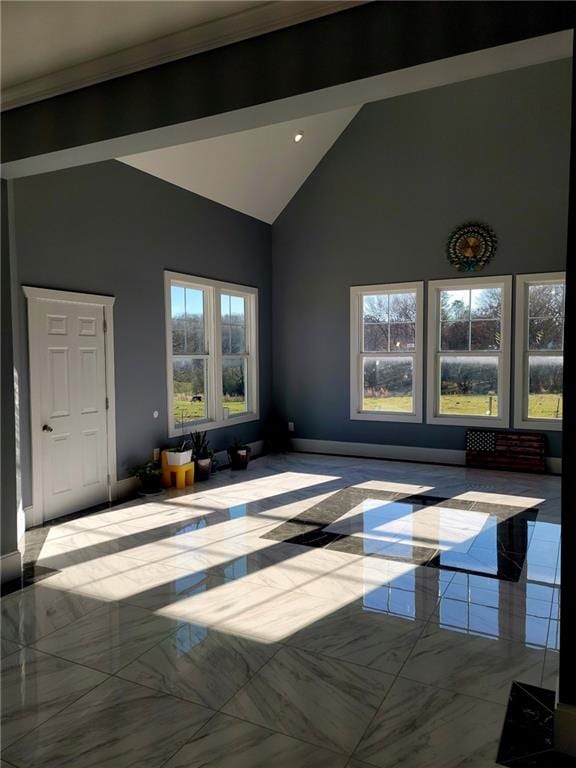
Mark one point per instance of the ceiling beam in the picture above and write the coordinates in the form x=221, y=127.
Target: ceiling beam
x=202, y=91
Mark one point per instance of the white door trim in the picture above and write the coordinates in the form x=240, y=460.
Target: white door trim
x=35, y=514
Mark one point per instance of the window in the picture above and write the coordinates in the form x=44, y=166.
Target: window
x=386, y=350
x=468, y=351
x=539, y=350
x=211, y=339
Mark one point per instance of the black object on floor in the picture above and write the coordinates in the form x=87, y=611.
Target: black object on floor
x=527, y=736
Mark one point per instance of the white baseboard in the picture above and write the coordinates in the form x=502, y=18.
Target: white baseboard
x=256, y=449
x=126, y=488
x=31, y=517
x=378, y=451
x=396, y=452
x=10, y=566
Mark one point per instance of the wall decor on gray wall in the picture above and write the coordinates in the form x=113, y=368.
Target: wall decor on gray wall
x=471, y=246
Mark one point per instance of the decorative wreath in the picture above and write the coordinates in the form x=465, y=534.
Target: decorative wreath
x=471, y=246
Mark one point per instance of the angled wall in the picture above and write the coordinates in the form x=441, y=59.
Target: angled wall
x=379, y=208
x=110, y=229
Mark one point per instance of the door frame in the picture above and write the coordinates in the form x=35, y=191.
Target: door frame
x=35, y=513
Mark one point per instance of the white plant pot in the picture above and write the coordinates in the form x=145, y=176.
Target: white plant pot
x=177, y=458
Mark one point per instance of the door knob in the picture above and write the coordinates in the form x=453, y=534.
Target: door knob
x=47, y=428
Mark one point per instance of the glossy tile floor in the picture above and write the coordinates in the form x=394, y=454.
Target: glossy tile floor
x=310, y=612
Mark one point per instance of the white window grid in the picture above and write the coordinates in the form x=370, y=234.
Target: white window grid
x=216, y=415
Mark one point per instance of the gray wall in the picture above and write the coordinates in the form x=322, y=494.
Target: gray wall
x=379, y=208
x=110, y=229
x=8, y=475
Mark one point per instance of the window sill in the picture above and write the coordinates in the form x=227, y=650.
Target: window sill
x=414, y=418
x=488, y=422
x=552, y=425
x=207, y=426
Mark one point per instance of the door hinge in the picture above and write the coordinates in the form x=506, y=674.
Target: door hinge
x=109, y=479
x=107, y=404
x=104, y=325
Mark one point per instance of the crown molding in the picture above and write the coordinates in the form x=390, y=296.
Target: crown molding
x=214, y=34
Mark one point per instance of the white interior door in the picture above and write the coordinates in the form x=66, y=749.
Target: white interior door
x=68, y=389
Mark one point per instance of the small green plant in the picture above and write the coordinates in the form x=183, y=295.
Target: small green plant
x=237, y=445
x=239, y=454
x=200, y=446
x=149, y=475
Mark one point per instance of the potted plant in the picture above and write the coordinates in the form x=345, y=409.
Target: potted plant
x=150, y=477
x=182, y=454
x=239, y=455
x=203, y=455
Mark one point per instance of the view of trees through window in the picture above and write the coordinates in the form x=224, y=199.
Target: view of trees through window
x=470, y=335
x=389, y=332
x=468, y=354
x=545, y=345
x=233, y=321
x=188, y=349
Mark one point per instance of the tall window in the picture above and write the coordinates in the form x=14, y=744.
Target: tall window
x=211, y=339
x=386, y=350
x=468, y=348
x=539, y=350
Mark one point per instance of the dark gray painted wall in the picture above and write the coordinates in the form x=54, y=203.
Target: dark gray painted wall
x=110, y=229
x=379, y=208
x=8, y=473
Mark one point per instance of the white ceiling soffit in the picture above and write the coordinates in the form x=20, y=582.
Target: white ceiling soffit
x=50, y=47
x=256, y=172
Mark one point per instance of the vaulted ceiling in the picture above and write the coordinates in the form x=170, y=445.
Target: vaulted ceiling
x=256, y=172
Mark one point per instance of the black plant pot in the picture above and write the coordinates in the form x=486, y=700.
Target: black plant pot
x=239, y=457
x=203, y=468
x=150, y=485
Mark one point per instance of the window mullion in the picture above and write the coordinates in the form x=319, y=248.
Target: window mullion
x=216, y=350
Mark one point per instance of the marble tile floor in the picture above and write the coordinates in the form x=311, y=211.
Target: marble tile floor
x=189, y=630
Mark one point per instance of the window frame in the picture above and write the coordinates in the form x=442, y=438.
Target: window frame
x=434, y=352
x=521, y=384
x=357, y=355
x=213, y=289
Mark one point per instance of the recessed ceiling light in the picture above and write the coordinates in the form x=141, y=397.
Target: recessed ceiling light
x=298, y=137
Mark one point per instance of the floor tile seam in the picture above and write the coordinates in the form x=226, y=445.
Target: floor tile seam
x=169, y=634
x=519, y=760
x=456, y=692
x=99, y=547
x=284, y=733
x=56, y=714
x=116, y=508
x=547, y=649
x=298, y=587
x=98, y=551
x=324, y=655
x=264, y=728
x=531, y=695
x=163, y=692
x=58, y=629
x=66, y=660
x=462, y=632
x=194, y=735
x=514, y=643
x=249, y=680
x=91, y=529
x=392, y=684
